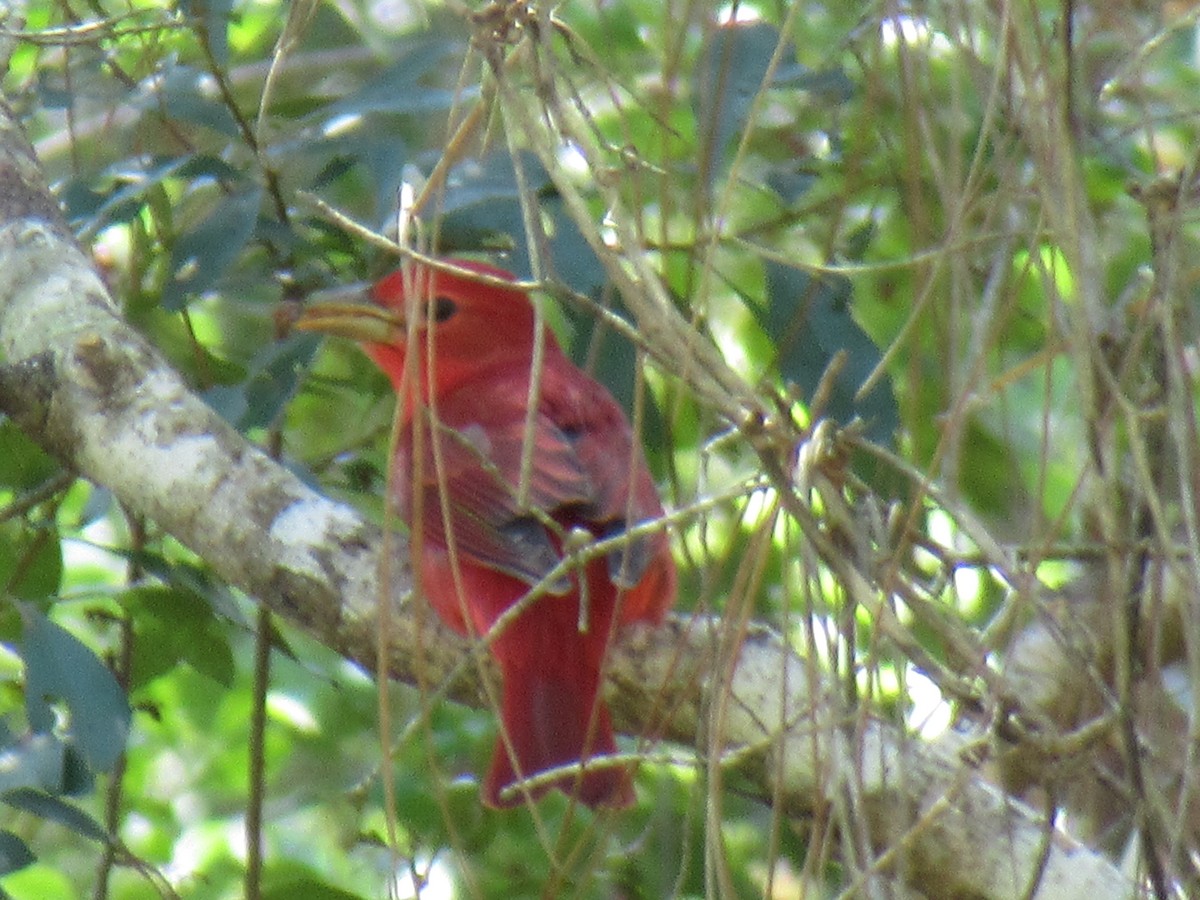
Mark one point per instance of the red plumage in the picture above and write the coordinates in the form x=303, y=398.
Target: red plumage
x=479, y=550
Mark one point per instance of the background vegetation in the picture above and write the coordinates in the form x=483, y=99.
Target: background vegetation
x=958, y=234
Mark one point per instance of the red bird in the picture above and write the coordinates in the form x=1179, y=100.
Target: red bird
x=479, y=549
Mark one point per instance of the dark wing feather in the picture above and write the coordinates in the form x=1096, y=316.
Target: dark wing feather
x=580, y=476
x=472, y=483
x=623, y=491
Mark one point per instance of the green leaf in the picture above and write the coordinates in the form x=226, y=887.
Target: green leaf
x=58, y=666
x=212, y=17
x=402, y=87
x=77, y=777
x=90, y=210
x=52, y=809
x=309, y=888
x=14, y=854
x=791, y=180
x=257, y=401
x=615, y=363
x=382, y=155
x=31, y=566
x=492, y=179
x=186, y=96
x=23, y=464
x=196, y=581
x=34, y=760
x=201, y=256
x=41, y=761
x=175, y=626
x=729, y=75
x=482, y=209
x=810, y=321
x=831, y=85
x=575, y=262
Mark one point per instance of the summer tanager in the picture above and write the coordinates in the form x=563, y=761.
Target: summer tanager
x=481, y=547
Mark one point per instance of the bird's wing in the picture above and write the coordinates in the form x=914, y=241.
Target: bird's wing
x=623, y=492
x=582, y=467
x=470, y=479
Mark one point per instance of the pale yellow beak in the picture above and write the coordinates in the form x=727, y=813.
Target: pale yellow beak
x=334, y=312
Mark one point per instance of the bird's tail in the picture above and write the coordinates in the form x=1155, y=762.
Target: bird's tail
x=549, y=724
x=551, y=713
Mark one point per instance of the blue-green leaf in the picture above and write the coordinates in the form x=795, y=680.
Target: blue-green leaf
x=52, y=809
x=58, y=666
x=402, y=87
x=791, y=180
x=274, y=374
x=202, y=256
x=185, y=95
x=832, y=85
x=35, y=760
x=728, y=76
x=14, y=854
x=810, y=320
x=213, y=18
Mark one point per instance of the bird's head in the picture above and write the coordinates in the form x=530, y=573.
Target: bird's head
x=459, y=323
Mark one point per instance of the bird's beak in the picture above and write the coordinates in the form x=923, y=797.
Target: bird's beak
x=348, y=312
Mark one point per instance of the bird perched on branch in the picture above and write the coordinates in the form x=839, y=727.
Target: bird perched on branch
x=505, y=473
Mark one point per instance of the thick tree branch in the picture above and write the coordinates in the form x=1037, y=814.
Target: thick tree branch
x=93, y=393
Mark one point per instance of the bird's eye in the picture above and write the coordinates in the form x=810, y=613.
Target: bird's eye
x=443, y=308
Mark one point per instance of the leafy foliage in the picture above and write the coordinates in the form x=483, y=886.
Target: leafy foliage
x=889, y=225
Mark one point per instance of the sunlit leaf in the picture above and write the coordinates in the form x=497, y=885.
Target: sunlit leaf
x=23, y=464
x=175, y=626
x=31, y=566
